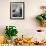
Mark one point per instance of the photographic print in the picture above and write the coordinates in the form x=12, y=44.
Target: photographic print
x=17, y=10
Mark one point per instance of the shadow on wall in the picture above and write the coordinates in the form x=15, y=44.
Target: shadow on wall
x=2, y=30
x=34, y=21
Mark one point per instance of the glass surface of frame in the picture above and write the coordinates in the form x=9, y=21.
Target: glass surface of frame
x=16, y=10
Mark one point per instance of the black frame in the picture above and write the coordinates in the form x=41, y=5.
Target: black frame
x=22, y=11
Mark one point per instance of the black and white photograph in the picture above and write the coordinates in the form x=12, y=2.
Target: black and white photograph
x=16, y=10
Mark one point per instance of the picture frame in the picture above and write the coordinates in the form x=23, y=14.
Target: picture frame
x=16, y=10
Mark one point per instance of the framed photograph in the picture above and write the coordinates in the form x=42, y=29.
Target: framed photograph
x=16, y=10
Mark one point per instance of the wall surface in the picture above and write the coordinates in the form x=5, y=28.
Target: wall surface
x=28, y=26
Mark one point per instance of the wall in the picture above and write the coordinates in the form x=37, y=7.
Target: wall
x=27, y=26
